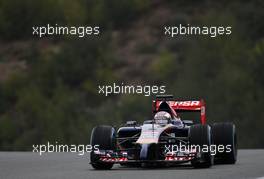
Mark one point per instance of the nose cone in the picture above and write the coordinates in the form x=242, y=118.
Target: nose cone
x=144, y=152
x=150, y=133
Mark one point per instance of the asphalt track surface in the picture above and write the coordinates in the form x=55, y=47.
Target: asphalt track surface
x=30, y=165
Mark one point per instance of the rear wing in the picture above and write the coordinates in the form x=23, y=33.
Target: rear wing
x=180, y=106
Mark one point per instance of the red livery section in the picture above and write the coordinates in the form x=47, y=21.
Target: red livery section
x=184, y=106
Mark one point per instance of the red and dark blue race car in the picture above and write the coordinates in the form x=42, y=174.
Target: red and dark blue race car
x=167, y=139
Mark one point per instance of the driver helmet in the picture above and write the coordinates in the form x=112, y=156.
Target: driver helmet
x=162, y=117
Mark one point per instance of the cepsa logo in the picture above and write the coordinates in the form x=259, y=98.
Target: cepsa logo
x=183, y=103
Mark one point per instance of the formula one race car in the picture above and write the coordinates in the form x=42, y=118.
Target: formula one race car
x=166, y=139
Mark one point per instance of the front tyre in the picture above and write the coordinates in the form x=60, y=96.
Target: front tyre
x=104, y=136
x=225, y=134
x=200, y=135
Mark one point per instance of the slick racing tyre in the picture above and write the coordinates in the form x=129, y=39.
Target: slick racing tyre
x=225, y=134
x=104, y=136
x=200, y=135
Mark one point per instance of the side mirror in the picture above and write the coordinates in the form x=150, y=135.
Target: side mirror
x=187, y=122
x=131, y=123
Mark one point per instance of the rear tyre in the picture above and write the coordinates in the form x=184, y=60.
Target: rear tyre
x=201, y=135
x=104, y=136
x=225, y=134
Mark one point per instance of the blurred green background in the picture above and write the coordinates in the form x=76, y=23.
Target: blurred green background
x=49, y=86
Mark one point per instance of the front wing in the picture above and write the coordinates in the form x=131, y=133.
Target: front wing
x=122, y=157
